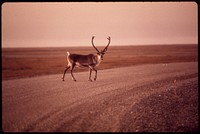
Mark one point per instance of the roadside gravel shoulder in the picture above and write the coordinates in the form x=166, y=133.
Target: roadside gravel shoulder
x=174, y=110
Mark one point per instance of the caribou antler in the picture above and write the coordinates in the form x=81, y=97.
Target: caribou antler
x=105, y=49
x=93, y=44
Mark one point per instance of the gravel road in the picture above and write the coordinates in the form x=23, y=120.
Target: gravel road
x=144, y=98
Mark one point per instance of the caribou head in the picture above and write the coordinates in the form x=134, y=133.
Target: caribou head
x=102, y=52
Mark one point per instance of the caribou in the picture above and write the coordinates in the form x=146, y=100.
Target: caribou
x=90, y=61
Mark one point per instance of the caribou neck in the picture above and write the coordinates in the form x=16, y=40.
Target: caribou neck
x=98, y=59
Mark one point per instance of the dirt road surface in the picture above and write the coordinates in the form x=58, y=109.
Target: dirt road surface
x=144, y=98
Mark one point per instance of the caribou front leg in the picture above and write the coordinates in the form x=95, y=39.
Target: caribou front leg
x=95, y=78
x=90, y=72
x=92, y=69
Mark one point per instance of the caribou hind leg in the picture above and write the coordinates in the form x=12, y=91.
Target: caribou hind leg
x=65, y=72
x=72, y=72
x=72, y=67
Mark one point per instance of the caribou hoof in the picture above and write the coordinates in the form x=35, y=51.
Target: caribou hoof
x=90, y=80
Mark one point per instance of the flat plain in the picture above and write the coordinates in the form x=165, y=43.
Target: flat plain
x=29, y=62
x=138, y=89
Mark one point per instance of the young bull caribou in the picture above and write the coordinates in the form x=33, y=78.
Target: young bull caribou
x=90, y=61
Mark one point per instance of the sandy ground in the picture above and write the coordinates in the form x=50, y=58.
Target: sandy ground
x=144, y=98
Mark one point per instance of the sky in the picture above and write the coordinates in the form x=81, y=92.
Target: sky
x=51, y=24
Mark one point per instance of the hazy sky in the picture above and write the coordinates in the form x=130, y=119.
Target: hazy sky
x=33, y=24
